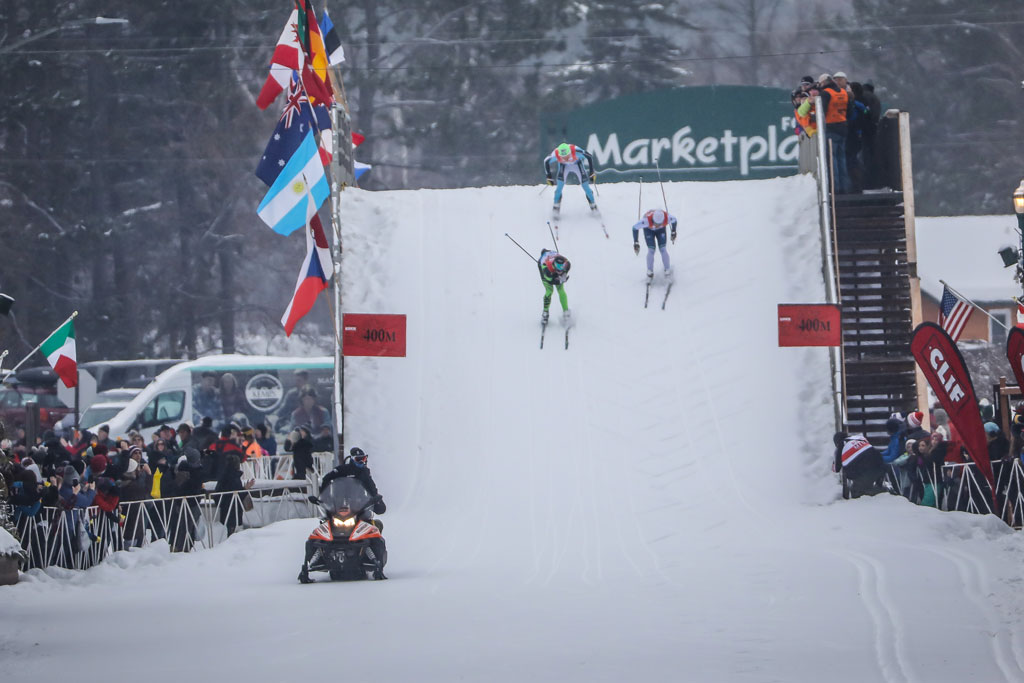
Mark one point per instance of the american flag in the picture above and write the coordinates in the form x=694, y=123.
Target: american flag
x=954, y=313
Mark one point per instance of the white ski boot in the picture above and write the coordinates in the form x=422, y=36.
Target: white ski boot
x=544, y=318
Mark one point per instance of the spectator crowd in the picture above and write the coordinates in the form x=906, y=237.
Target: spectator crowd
x=934, y=468
x=61, y=477
x=851, y=111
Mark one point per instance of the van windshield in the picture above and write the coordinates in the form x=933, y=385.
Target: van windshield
x=97, y=415
x=165, y=407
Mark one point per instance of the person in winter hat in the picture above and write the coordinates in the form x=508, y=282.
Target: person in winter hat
x=188, y=483
x=230, y=507
x=655, y=223
x=554, y=272
x=565, y=160
x=914, y=429
x=860, y=464
x=357, y=467
x=98, y=465
x=300, y=444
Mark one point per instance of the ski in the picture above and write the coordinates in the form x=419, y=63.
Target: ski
x=667, y=291
x=567, y=339
x=543, y=329
x=647, y=294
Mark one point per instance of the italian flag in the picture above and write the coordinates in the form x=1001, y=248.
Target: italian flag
x=59, y=349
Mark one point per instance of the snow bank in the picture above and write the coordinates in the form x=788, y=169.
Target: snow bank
x=8, y=544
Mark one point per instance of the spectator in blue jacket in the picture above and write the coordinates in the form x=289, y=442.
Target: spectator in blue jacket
x=896, y=428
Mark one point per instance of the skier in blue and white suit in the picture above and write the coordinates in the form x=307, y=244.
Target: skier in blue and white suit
x=654, y=224
x=568, y=160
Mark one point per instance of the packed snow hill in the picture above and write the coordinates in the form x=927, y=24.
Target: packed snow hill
x=653, y=503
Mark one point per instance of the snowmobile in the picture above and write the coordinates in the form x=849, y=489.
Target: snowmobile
x=342, y=541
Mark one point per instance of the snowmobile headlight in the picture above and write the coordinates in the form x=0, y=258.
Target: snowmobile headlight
x=349, y=521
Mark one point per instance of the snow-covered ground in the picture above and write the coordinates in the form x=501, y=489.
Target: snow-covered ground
x=654, y=503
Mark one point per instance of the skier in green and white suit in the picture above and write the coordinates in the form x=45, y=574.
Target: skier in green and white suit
x=554, y=271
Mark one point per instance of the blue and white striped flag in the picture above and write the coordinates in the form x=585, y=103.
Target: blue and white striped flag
x=284, y=206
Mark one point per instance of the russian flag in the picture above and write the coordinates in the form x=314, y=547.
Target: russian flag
x=315, y=271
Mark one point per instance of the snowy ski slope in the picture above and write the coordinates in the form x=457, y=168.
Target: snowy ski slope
x=654, y=503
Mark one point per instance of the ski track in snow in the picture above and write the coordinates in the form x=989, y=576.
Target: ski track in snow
x=889, y=629
x=976, y=586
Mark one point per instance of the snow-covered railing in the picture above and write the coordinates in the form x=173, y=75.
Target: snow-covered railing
x=281, y=467
x=82, y=538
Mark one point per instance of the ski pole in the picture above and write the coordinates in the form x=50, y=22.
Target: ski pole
x=663, y=196
x=553, y=238
x=639, y=197
x=662, y=186
x=542, y=189
x=520, y=246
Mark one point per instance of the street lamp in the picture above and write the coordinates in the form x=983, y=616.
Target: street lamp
x=1010, y=255
x=1018, y=204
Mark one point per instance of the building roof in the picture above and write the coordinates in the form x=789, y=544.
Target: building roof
x=964, y=251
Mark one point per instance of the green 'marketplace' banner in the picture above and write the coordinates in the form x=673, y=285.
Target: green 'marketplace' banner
x=722, y=132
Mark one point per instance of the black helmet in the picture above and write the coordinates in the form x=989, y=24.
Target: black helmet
x=561, y=264
x=358, y=456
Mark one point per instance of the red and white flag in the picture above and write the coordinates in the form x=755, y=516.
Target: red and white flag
x=288, y=57
x=954, y=312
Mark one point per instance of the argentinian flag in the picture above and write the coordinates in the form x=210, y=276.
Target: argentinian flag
x=284, y=206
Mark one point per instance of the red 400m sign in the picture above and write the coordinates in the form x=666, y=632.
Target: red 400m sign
x=374, y=334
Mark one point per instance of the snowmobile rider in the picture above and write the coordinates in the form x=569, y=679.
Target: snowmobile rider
x=654, y=224
x=356, y=467
x=573, y=160
x=554, y=271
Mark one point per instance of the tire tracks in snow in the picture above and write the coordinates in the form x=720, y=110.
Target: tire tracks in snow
x=889, y=629
x=974, y=578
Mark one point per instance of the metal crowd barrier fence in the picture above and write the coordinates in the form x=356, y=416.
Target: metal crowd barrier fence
x=960, y=487
x=81, y=538
x=280, y=467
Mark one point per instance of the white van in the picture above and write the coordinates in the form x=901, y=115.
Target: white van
x=233, y=388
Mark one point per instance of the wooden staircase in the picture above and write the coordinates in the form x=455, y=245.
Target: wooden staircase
x=875, y=294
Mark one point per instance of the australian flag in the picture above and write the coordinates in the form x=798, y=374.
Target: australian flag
x=295, y=122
